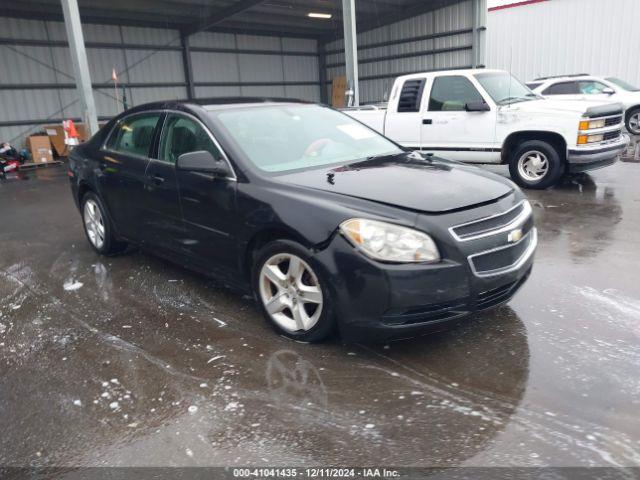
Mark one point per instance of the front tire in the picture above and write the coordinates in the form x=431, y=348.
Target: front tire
x=536, y=164
x=98, y=226
x=633, y=121
x=292, y=293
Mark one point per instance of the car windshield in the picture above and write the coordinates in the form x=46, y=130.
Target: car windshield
x=504, y=88
x=285, y=137
x=622, y=84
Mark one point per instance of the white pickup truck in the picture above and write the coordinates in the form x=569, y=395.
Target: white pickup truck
x=488, y=116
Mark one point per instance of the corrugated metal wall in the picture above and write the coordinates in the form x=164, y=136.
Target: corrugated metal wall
x=437, y=40
x=557, y=37
x=37, y=84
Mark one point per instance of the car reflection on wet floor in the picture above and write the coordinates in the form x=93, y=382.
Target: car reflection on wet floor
x=133, y=361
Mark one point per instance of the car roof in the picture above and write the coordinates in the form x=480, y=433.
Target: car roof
x=211, y=103
x=462, y=71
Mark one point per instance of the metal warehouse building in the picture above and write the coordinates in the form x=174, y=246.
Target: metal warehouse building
x=553, y=37
x=178, y=49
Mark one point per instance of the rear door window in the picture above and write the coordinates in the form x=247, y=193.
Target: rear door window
x=563, y=88
x=134, y=135
x=452, y=93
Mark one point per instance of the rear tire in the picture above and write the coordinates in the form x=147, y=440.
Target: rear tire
x=98, y=227
x=292, y=293
x=536, y=164
x=633, y=121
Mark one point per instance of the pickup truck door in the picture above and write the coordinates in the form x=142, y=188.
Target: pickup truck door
x=449, y=130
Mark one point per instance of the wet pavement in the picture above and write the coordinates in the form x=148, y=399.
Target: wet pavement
x=131, y=360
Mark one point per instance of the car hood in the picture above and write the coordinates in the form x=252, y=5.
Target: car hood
x=429, y=184
x=569, y=106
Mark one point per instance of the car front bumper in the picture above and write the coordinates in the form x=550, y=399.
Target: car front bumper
x=590, y=158
x=376, y=301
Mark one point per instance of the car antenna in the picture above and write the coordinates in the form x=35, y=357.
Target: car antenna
x=510, y=70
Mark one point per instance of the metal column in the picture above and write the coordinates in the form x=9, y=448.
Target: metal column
x=479, y=40
x=80, y=64
x=322, y=72
x=351, y=48
x=188, y=67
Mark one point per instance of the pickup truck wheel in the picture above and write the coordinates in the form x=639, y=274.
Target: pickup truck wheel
x=536, y=164
x=98, y=228
x=633, y=121
x=292, y=294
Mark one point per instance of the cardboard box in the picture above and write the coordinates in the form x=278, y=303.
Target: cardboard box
x=40, y=148
x=338, y=90
x=56, y=135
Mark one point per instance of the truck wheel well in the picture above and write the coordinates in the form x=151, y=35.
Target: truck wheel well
x=262, y=238
x=631, y=110
x=515, y=139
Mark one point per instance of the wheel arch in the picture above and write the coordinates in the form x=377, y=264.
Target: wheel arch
x=516, y=138
x=261, y=238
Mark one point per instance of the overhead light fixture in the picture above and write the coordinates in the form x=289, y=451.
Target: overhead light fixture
x=319, y=15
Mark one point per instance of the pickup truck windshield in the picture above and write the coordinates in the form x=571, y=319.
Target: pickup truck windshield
x=622, y=84
x=280, y=138
x=504, y=88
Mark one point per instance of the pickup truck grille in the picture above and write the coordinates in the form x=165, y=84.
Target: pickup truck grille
x=493, y=225
x=612, y=135
x=610, y=122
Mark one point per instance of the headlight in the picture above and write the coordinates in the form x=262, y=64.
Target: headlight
x=388, y=242
x=590, y=125
x=584, y=139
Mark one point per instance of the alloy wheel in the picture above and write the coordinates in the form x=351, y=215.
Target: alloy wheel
x=533, y=166
x=94, y=223
x=290, y=292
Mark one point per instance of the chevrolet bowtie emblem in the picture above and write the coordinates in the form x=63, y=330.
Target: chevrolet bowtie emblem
x=514, y=236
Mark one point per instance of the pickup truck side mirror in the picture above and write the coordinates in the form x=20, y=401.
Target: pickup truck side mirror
x=477, y=107
x=202, y=161
x=608, y=91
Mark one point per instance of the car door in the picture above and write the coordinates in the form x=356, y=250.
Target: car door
x=403, y=125
x=208, y=201
x=162, y=223
x=450, y=131
x=567, y=90
x=122, y=166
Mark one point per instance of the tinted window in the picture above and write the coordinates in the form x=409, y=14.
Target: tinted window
x=563, y=88
x=182, y=135
x=533, y=85
x=134, y=135
x=590, y=87
x=450, y=94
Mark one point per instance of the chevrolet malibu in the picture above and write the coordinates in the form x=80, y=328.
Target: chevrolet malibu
x=330, y=224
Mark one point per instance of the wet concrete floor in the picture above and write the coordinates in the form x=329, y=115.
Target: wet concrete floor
x=133, y=361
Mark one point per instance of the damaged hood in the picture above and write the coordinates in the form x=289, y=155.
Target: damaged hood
x=428, y=185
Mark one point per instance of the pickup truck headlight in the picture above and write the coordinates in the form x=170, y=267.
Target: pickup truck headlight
x=590, y=125
x=390, y=243
x=585, y=139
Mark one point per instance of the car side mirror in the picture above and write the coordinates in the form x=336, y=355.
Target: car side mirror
x=202, y=161
x=608, y=91
x=477, y=107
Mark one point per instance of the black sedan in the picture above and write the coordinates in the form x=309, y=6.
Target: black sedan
x=328, y=223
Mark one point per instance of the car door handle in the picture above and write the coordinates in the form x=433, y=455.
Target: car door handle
x=158, y=180
x=427, y=121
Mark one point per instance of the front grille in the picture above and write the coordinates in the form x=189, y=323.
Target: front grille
x=492, y=225
x=610, y=122
x=612, y=135
x=503, y=259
